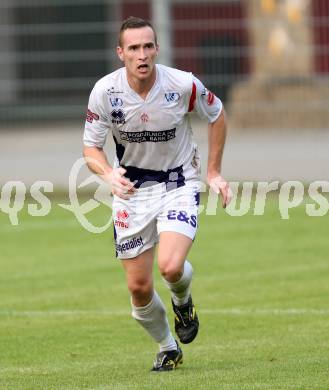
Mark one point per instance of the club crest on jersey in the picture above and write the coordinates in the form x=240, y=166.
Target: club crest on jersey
x=118, y=116
x=209, y=96
x=116, y=102
x=172, y=96
x=144, y=118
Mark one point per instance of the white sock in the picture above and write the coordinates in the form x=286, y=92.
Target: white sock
x=168, y=343
x=153, y=319
x=180, y=290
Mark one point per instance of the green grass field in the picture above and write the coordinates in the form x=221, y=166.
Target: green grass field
x=261, y=289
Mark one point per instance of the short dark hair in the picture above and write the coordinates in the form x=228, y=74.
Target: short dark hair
x=134, y=22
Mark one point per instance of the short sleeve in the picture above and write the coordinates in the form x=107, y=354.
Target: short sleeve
x=206, y=104
x=97, y=124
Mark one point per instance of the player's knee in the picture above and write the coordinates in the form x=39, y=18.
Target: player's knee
x=140, y=289
x=172, y=271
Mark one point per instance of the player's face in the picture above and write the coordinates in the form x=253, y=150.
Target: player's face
x=138, y=52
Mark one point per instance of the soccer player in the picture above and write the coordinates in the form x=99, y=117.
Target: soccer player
x=155, y=177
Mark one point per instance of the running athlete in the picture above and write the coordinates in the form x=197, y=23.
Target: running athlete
x=155, y=177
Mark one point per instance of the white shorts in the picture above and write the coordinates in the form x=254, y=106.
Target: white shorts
x=150, y=211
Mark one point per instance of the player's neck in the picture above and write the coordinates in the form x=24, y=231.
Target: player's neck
x=142, y=87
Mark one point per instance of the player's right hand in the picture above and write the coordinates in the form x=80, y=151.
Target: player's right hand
x=120, y=185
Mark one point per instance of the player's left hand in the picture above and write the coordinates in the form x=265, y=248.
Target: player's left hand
x=219, y=185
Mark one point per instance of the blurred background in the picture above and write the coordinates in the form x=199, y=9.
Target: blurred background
x=268, y=60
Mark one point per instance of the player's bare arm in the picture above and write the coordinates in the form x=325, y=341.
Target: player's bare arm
x=216, y=141
x=97, y=162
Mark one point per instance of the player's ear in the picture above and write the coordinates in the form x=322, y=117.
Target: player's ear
x=120, y=52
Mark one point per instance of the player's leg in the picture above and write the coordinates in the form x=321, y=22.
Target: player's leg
x=177, y=273
x=149, y=311
x=177, y=226
x=139, y=277
x=172, y=253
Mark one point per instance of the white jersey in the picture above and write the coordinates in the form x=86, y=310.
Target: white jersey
x=153, y=137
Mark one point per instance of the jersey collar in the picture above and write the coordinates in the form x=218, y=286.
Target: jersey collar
x=151, y=92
